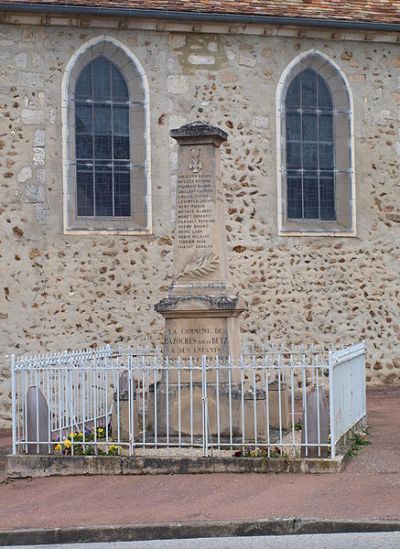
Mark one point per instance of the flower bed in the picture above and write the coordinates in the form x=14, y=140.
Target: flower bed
x=89, y=442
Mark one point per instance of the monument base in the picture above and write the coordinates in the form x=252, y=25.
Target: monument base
x=226, y=411
x=197, y=326
x=181, y=409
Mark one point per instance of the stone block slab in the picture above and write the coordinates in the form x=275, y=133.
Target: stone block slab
x=27, y=466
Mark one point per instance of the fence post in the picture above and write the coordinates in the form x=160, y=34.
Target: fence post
x=204, y=404
x=364, y=394
x=131, y=404
x=13, y=407
x=331, y=403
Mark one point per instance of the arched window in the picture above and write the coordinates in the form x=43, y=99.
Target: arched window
x=102, y=141
x=310, y=148
x=107, y=184
x=316, y=177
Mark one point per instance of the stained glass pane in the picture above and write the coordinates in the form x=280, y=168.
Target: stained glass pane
x=122, y=194
x=326, y=128
x=121, y=147
x=327, y=198
x=101, y=68
x=121, y=120
x=102, y=120
x=104, y=191
x=324, y=95
x=325, y=156
x=293, y=155
x=119, y=87
x=310, y=155
x=84, y=116
x=85, y=206
x=311, y=199
x=293, y=96
x=295, y=205
x=309, y=88
x=102, y=147
x=83, y=89
x=84, y=146
x=293, y=126
x=310, y=125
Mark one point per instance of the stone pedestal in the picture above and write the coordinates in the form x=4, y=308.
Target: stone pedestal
x=120, y=416
x=197, y=326
x=316, y=411
x=38, y=422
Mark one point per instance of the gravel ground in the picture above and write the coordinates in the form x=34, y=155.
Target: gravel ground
x=186, y=452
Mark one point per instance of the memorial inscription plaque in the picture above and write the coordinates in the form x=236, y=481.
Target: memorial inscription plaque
x=200, y=249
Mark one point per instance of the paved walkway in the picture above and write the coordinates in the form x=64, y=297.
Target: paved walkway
x=5, y=447
x=369, y=488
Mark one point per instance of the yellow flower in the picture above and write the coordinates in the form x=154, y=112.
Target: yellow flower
x=71, y=435
x=57, y=447
x=67, y=444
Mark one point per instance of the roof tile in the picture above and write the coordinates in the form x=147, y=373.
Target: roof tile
x=382, y=11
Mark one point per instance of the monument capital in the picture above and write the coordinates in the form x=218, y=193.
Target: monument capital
x=199, y=132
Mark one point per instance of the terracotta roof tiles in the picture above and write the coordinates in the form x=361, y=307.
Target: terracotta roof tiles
x=382, y=11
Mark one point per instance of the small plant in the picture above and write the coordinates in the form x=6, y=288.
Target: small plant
x=260, y=452
x=113, y=450
x=358, y=441
x=75, y=442
x=298, y=426
x=277, y=453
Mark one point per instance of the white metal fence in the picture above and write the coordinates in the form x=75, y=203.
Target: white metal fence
x=283, y=403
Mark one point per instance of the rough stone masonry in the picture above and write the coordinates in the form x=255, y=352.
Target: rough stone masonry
x=64, y=291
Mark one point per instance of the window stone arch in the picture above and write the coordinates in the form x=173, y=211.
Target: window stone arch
x=329, y=182
x=132, y=172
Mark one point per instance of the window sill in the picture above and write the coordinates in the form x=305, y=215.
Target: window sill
x=125, y=232
x=316, y=228
x=319, y=233
x=339, y=231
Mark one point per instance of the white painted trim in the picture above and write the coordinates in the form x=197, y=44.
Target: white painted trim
x=65, y=131
x=133, y=232
x=279, y=102
x=349, y=234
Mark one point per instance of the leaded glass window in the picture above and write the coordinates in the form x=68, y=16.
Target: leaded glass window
x=310, y=148
x=102, y=141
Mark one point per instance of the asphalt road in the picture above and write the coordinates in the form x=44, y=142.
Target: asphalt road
x=390, y=540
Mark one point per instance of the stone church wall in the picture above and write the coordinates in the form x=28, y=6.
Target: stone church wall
x=64, y=291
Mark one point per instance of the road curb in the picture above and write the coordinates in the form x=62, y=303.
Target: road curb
x=185, y=530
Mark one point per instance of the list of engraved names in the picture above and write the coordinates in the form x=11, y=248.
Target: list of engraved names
x=195, y=211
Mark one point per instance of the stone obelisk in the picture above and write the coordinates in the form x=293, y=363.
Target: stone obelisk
x=201, y=311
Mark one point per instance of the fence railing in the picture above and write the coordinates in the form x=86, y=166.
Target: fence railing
x=347, y=391
x=288, y=402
